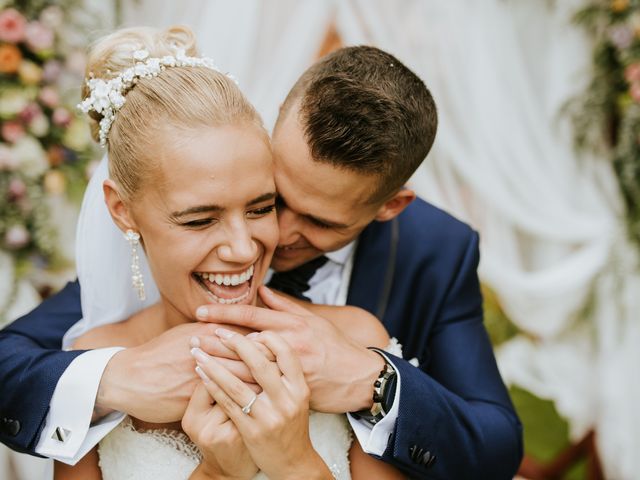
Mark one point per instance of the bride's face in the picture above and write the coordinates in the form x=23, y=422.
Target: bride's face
x=208, y=225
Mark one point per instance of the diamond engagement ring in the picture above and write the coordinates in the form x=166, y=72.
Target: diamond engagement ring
x=247, y=408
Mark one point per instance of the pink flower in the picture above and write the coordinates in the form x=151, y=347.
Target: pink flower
x=38, y=36
x=29, y=112
x=632, y=73
x=49, y=97
x=61, y=117
x=12, y=25
x=635, y=92
x=16, y=237
x=51, y=71
x=12, y=131
x=17, y=189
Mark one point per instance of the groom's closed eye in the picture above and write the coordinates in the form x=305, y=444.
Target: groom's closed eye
x=316, y=221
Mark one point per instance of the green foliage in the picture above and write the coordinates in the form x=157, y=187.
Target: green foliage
x=607, y=115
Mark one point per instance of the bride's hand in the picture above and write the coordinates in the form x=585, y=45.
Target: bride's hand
x=276, y=427
x=209, y=427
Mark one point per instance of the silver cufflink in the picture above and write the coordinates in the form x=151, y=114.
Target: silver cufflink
x=61, y=434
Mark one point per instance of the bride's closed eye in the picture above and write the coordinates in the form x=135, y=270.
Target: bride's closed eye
x=199, y=223
x=204, y=222
x=262, y=211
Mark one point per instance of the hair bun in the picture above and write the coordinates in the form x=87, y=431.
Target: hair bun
x=178, y=37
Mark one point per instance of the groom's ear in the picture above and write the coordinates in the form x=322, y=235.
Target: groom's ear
x=395, y=205
x=117, y=208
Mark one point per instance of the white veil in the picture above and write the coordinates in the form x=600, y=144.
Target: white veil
x=103, y=263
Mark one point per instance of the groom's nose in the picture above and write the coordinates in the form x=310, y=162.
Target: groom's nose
x=289, y=224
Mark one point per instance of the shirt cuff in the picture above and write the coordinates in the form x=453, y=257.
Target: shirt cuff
x=68, y=434
x=374, y=438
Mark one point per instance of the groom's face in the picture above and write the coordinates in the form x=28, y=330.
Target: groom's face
x=322, y=207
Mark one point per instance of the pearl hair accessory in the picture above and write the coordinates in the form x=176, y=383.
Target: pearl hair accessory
x=108, y=96
x=136, y=275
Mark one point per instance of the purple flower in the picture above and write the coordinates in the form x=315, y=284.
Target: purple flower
x=51, y=71
x=16, y=237
x=38, y=36
x=621, y=36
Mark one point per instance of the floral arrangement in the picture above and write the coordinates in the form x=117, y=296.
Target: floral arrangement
x=45, y=149
x=608, y=115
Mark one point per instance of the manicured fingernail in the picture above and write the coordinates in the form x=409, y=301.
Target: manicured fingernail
x=224, y=333
x=201, y=313
x=194, y=342
x=202, y=375
x=199, y=355
x=253, y=335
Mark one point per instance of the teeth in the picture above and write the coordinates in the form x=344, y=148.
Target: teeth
x=234, y=279
x=230, y=301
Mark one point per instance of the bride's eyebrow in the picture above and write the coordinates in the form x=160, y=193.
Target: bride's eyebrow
x=198, y=209
x=262, y=198
x=216, y=208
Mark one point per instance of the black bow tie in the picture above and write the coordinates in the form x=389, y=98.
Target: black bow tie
x=295, y=282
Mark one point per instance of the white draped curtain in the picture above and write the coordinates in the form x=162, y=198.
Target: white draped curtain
x=552, y=228
x=553, y=241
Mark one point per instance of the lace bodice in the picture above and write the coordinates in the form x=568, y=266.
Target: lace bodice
x=163, y=454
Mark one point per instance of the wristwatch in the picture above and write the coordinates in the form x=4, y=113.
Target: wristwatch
x=384, y=391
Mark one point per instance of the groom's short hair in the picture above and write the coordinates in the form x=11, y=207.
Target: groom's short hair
x=363, y=110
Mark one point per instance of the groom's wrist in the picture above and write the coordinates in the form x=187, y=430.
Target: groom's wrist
x=363, y=394
x=111, y=394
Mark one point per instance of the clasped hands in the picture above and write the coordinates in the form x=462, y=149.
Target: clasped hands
x=299, y=360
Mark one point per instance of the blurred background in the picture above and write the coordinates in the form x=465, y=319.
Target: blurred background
x=538, y=148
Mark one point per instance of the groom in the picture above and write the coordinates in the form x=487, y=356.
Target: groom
x=350, y=133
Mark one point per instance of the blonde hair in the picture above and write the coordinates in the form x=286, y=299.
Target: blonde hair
x=179, y=97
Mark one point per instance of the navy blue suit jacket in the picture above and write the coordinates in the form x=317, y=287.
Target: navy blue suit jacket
x=454, y=408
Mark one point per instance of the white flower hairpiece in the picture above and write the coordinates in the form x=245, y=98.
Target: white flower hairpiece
x=108, y=96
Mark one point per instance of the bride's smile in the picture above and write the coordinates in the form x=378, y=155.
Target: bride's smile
x=227, y=287
x=206, y=216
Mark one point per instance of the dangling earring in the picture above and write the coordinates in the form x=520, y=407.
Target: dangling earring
x=136, y=276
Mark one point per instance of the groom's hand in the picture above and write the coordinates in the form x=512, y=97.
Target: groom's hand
x=339, y=372
x=154, y=381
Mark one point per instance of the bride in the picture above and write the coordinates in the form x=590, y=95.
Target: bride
x=191, y=188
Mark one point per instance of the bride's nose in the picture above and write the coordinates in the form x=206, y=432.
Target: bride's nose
x=239, y=245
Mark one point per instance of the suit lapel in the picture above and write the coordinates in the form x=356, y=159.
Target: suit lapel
x=370, y=266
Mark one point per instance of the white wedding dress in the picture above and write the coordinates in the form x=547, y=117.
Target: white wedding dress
x=127, y=453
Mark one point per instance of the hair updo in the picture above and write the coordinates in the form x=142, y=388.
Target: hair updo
x=179, y=98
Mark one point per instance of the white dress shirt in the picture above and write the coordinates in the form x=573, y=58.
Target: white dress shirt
x=329, y=286
x=68, y=433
